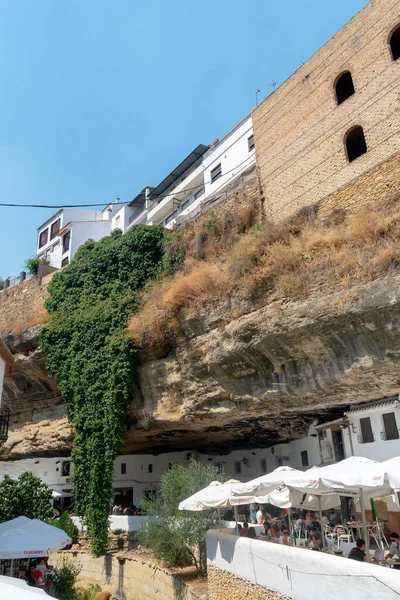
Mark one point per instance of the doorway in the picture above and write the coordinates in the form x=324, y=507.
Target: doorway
x=338, y=445
x=123, y=496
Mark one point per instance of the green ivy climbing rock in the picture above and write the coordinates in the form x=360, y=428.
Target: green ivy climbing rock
x=93, y=359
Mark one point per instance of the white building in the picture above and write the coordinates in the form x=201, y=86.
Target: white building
x=135, y=476
x=203, y=173
x=61, y=235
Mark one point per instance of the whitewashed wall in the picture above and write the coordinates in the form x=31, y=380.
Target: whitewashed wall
x=298, y=573
x=379, y=449
x=82, y=231
x=126, y=523
x=231, y=151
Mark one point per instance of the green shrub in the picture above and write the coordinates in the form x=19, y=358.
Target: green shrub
x=26, y=496
x=66, y=524
x=90, y=593
x=65, y=579
x=120, y=542
x=118, y=531
x=32, y=265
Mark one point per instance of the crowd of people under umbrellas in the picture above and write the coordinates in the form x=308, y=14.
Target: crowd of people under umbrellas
x=277, y=529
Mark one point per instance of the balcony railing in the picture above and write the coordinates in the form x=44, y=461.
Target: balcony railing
x=136, y=213
x=184, y=205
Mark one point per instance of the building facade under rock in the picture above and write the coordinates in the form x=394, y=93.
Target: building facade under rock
x=336, y=118
x=370, y=430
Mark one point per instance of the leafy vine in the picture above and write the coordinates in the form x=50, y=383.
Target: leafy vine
x=93, y=358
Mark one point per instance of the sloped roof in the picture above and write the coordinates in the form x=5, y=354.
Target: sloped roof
x=6, y=356
x=373, y=404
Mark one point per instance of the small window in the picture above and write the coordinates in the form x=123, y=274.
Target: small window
x=322, y=434
x=263, y=465
x=237, y=467
x=355, y=143
x=65, y=261
x=43, y=237
x=390, y=425
x=344, y=87
x=117, y=220
x=250, y=142
x=216, y=173
x=66, y=241
x=367, y=437
x=66, y=468
x=55, y=228
x=304, y=458
x=395, y=43
x=150, y=468
x=123, y=468
x=279, y=461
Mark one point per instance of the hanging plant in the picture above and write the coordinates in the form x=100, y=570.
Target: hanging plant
x=93, y=359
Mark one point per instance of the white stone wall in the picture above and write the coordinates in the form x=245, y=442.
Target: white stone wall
x=380, y=449
x=298, y=573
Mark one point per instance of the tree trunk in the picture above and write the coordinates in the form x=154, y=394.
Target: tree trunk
x=203, y=558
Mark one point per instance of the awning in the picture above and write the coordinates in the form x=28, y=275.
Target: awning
x=62, y=493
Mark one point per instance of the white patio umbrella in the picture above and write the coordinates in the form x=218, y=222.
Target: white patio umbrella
x=215, y=495
x=17, y=589
x=29, y=538
x=285, y=498
x=355, y=476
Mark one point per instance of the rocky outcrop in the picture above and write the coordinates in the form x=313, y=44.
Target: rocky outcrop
x=268, y=374
x=225, y=382
x=38, y=423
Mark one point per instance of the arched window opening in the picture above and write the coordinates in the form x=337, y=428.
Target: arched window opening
x=395, y=43
x=344, y=87
x=355, y=143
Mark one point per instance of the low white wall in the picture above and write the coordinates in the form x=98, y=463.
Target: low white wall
x=127, y=523
x=298, y=573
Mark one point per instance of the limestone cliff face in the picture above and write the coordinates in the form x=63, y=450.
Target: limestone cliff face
x=38, y=423
x=268, y=374
x=224, y=383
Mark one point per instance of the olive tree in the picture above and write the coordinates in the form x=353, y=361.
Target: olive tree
x=178, y=537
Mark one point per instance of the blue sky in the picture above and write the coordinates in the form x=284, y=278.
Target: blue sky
x=100, y=98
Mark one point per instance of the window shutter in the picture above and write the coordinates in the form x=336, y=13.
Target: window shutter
x=391, y=430
x=366, y=430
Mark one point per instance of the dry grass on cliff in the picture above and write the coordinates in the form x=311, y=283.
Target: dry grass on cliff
x=290, y=260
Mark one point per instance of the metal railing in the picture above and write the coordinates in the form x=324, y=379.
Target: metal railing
x=184, y=205
x=136, y=213
x=10, y=282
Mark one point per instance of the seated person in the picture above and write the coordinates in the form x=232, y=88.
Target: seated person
x=237, y=530
x=244, y=530
x=332, y=517
x=315, y=539
x=274, y=533
x=394, y=549
x=252, y=533
x=313, y=531
x=325, y=521
x=358, y=553
x=284, y=538
x=267, y=527
x=316, y=545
